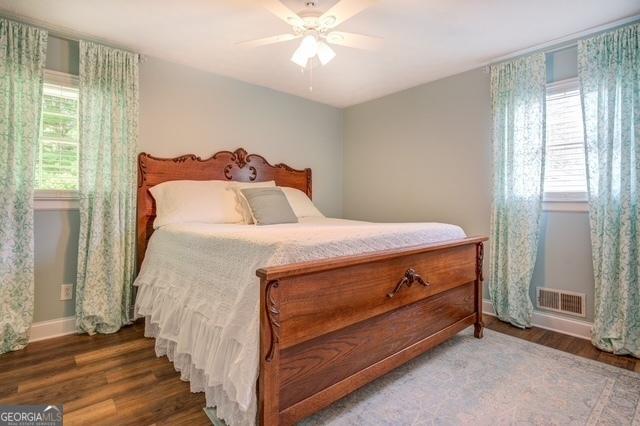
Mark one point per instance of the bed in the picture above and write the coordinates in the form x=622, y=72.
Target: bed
x=274, y=323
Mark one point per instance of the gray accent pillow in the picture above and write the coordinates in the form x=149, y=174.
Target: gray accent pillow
x=269, y=206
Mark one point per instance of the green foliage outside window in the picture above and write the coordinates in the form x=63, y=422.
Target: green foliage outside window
x=57, y=159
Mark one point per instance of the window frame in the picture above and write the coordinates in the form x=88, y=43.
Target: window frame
x=57, y=199
x=564, y=201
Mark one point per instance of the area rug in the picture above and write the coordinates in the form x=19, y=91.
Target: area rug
x=499, y=380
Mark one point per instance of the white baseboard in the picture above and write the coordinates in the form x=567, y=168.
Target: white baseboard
x=53, y=328
x=548, y=321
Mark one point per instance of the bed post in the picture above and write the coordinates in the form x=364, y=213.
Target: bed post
x=268, y=382
x=478, y=326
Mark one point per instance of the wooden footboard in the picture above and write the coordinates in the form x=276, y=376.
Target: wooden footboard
x=329, y=327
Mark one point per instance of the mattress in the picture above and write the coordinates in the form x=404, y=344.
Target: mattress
x=198, y=292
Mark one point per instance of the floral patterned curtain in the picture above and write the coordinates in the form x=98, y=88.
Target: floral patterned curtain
x=108, y=140
x=609, y=71
x=518, y=99
x=22, y=57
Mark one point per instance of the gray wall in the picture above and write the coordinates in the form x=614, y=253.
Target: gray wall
x=424, y=154
x=564, y=256
x=183, y=110
x=56, y=253
x=63, y=55
x=421, y=155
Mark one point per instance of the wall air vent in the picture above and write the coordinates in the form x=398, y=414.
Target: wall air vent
x=567, y=302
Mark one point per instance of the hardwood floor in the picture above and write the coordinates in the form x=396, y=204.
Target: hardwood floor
x=117, y=379
x=573, y=345
x=111, y=379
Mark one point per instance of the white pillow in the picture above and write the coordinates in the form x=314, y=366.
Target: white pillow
x=300, y=203
x=242, y=207
x=182, y=201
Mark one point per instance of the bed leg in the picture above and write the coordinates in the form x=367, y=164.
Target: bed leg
x=478, y=330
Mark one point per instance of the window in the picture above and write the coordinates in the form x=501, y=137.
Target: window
x=57, y=155
x=565, y=171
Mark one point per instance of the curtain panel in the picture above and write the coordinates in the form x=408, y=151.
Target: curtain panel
x=609, y=72
x=22, y=58
x=108, y=140
x=518, y=105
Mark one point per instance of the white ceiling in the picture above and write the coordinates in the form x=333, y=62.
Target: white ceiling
x=423, y=39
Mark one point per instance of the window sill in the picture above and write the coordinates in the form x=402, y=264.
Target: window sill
x=565, y=202
x=55, y=200
x=565, y=206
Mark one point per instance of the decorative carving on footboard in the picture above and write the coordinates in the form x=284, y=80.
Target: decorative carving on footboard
x=272, y=314
x=479, y=260
x=410, y=277
x=478, y=326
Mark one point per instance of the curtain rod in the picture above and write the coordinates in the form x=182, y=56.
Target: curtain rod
x=561, y=43
x=65, y=33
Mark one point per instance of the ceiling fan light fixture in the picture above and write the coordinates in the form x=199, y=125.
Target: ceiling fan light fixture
x=309, y=45
x=299, y=57
x=325, y=53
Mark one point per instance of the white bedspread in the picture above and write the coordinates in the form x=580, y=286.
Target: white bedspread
x=198, y=291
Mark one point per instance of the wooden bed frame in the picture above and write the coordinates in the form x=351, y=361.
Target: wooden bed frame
x=328, y=327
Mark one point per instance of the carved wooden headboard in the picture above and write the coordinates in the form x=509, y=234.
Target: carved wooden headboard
x=223, y=165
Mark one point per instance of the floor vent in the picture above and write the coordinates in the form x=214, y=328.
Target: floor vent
x=563, y=301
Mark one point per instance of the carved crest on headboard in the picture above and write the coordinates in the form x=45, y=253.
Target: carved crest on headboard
x=240, y=157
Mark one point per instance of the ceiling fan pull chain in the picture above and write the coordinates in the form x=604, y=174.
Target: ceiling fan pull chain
x=311, y=78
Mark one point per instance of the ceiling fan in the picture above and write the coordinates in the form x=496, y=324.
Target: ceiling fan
x=317, y=30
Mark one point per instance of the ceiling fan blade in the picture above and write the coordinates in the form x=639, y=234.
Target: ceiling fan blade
x=269, y=40
x=283, y=12
x=357, y=41
x=344, y=10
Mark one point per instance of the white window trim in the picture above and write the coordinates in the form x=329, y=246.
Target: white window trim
x=61, y=78
x=564, y=201
x=566, y=197
x=46, y=199
x=561, y=86
x=564, y=206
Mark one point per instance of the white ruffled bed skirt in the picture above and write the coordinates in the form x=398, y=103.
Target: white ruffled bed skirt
x=186, y=337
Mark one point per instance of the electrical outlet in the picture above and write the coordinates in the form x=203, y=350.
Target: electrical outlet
x=66, y=291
